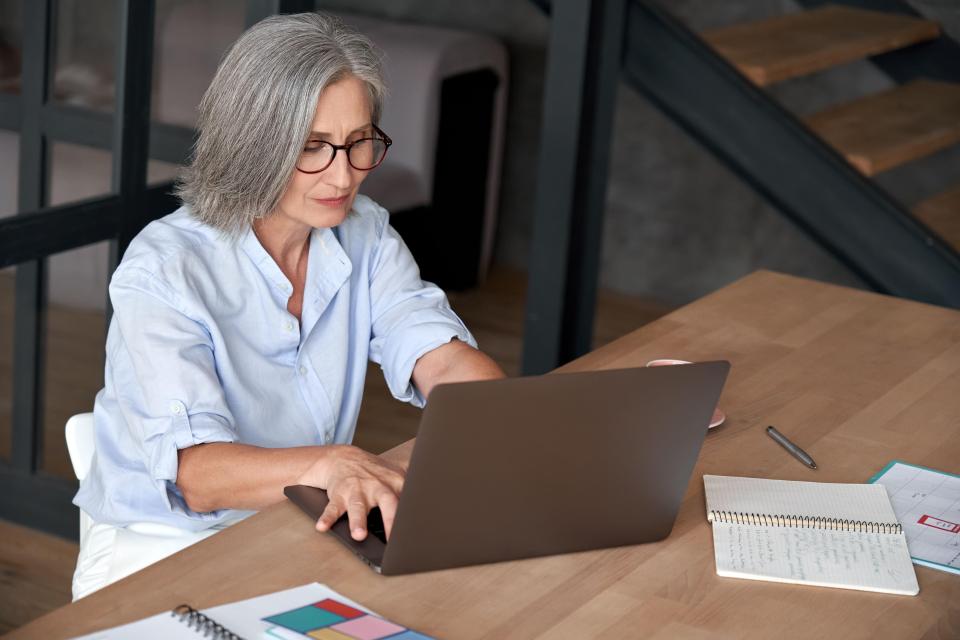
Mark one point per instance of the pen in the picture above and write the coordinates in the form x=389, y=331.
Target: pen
x=794, y=450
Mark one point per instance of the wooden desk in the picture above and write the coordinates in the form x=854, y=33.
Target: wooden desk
x=856, y=379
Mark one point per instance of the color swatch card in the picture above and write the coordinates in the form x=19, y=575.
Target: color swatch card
x=927, y=503
x=332, y=619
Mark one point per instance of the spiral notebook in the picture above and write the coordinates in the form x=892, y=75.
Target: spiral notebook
x=829, y=535
x=301, y=613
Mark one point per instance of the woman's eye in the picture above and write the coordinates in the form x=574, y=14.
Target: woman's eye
x=314, y=146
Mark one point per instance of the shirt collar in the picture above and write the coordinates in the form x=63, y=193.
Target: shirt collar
x=328, y=268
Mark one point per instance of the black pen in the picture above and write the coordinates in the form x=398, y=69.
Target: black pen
x=794, y=450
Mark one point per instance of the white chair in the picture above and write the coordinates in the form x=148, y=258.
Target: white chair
x=79, y=432
x=137, y=545
x=81, y=446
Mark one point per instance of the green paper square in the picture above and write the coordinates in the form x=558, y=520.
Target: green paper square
x=305, y=619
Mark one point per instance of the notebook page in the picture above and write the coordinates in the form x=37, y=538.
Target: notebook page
x=162, y=626
x=844, y=559
x=242, y=618
x=858, y=502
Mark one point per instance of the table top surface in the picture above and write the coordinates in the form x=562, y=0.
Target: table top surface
x=856, y=379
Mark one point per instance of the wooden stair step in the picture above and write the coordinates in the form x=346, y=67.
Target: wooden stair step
x=942, y=214
x=797, y=44
x=894, y=127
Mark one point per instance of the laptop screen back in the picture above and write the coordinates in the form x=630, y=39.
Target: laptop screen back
x=551, y=464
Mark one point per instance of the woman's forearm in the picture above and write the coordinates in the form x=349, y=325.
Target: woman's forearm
x=455, y=361
x=225, y=475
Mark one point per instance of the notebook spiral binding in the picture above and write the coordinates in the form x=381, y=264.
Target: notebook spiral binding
x=202, y=624
x=804, y=522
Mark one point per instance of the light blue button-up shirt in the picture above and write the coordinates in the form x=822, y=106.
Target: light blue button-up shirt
x=201, y=348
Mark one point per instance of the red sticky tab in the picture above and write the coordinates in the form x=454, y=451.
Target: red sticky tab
x=338, y=608
x=937, y=523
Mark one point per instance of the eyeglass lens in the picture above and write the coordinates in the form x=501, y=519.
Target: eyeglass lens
x=362, y=154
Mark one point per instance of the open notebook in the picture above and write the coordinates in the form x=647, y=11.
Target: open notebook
x=828, y=535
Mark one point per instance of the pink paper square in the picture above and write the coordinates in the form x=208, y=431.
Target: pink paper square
x=368, y=628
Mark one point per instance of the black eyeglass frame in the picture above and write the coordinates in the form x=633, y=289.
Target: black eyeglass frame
x=346, y=149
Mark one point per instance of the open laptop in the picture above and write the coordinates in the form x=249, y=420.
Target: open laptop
x=542, y=465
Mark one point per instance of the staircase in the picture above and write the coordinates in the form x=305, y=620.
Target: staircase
x=874, y=133
x=942, y=213
x=818, y=170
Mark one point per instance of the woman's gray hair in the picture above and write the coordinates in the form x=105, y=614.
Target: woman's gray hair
x=256, y=114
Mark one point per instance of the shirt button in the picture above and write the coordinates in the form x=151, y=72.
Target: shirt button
x=303, y=370
x=288, y=325
x=176, y=408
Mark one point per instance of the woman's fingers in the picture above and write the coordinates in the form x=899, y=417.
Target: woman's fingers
x=330, y=514
x=357, y=509
x=356, y=482
x=388, y=501
x=357, y=515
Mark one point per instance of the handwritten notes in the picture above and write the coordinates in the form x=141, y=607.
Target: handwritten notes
x=846, y=559
x=829, y=535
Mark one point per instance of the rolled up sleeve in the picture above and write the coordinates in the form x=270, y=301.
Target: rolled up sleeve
x=410, y=317
x=164, y=371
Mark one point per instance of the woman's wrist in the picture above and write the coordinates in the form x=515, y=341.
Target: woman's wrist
x=317, y=474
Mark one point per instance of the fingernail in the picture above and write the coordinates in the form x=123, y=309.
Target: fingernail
x=358, y=531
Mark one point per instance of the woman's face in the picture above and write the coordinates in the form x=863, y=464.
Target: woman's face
x=324, y=199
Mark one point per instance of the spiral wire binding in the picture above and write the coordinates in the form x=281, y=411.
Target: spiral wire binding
x=804, y=522
x=202, y=624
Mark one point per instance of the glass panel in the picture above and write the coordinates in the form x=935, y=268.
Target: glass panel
x=76, y=329
x=11, y=45
x=9, y=171
x=78, y=172
x=83, y=69
x=159, y=171
x=6, y=359
x=190, y=37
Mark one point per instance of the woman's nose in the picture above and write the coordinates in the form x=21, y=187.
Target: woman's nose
x=339, y=174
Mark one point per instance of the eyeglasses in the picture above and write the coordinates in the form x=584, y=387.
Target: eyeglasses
x=363, y=154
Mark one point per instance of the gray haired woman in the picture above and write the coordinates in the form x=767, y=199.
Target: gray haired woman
x=243, y=321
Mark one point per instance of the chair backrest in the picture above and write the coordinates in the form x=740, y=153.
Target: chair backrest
x=80, y=443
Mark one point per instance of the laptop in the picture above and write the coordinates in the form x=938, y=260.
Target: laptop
x=541, y=465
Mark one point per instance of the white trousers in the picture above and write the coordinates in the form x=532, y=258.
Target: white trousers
x=109, y=553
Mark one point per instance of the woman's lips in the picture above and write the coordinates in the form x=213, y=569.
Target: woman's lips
x=331, y=202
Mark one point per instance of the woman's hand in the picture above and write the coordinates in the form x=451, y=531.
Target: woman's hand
x=356, y=482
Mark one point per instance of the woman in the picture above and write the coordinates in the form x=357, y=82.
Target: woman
x=243, y=322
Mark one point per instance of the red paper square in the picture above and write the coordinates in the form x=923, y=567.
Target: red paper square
x=338, y=608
